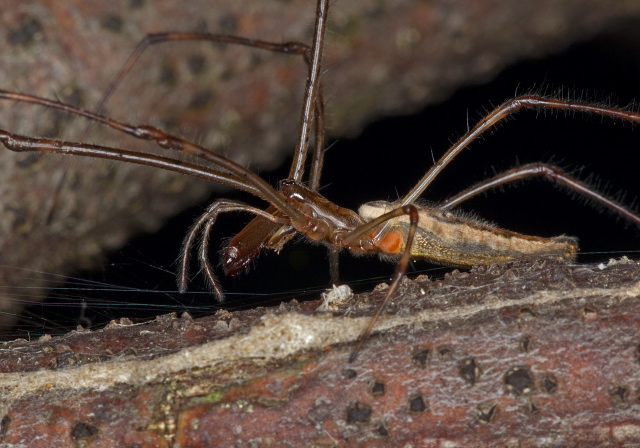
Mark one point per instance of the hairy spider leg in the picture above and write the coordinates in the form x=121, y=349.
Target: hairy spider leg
x=312, y=96
x=549, y=172
x=534, y=102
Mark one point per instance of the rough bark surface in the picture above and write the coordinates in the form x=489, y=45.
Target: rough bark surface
x=381, y=58
x=522, y=355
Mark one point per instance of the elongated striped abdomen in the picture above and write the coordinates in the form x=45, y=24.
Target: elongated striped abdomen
x=451, y=239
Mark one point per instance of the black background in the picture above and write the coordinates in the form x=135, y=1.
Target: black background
x=383, y=164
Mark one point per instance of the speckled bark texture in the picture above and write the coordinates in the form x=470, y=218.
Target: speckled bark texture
x=381, y=58
x=522, y=355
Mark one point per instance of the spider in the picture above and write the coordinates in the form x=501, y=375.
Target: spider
x=398, y=230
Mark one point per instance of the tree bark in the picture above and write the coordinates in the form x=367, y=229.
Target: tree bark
x=526, y=355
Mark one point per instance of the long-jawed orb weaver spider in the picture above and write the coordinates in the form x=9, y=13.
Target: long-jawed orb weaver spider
x=387, y=229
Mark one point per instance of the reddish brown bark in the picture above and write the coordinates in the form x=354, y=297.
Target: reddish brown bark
x=514, y=355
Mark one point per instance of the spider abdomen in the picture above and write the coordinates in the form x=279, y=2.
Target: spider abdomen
x=450, y=239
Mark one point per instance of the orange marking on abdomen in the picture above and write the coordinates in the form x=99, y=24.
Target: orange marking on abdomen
x=392, y=242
